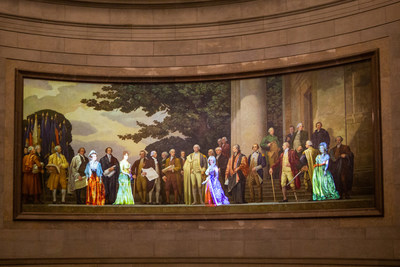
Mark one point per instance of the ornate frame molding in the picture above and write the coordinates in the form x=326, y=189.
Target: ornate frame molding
x=292, y=210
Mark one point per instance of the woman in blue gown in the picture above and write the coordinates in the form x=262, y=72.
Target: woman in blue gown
x=214, y=193
x=322, y=181
x=124, y=195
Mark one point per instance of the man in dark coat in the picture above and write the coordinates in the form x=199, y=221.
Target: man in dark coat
x=320, y=135
x=222, y=161
x=256, y=163
x=299, y=139
x=110, y=166
x=342, y=167
x=226, y=148
x=289, y=137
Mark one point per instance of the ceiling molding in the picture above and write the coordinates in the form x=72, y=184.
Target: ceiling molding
x=174, y=26
x=142, y=4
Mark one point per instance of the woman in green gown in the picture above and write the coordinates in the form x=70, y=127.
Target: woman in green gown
x=124, y=195
x=322, y=181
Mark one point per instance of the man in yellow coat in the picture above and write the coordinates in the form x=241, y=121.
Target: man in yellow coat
x=194, y=170
x=57, y=167
x=308, y=160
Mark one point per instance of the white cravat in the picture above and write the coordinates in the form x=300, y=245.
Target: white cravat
x=255, y=155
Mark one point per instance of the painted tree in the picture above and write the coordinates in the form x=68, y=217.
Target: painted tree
x=274, y=105
x=199, y=111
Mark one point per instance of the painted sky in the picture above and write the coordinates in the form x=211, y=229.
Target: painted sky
x=91, y=129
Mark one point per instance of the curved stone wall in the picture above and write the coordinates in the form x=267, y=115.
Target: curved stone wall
x=223, y=36
x=196, y=39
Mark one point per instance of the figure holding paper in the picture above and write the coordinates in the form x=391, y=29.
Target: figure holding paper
x=141, y=181
x=110, y=167
x=153, y=175
x=171, y=172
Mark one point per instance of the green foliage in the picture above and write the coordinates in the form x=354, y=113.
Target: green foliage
x=199, y=111
x=274, y=105
x=168, y=143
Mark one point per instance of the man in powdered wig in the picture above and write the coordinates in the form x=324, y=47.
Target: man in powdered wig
x=194, y=171
x=300, y=138
x=59, y=174
x=307, y=160
x=236, y=172
x=77, y=174
x=287, y=167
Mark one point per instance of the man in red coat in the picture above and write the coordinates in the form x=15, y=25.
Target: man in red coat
x=226, y=148
x=236, y=172
x=287, y=165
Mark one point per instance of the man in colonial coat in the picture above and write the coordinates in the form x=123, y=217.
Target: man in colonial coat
x=290, y=135
x=320, y=135
x=342, y=167
x=171, y=175
x=110, y=167
x=140, y=180
x=155, y=185
x=42, y=160
x=257, y=162
x=270, y=144
x=222, y=162
x=236, y=172
x=194, y=171
x=226, y=148
x=299, y=139
x=164, y=156
x=77, y=172
x=181, y=191
x=307, y=160
x=287, y=166
x=58, y=176
x=31, y=186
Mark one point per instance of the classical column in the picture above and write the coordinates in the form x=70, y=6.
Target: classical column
x=248, y=112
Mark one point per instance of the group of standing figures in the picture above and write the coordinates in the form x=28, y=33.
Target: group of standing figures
x=196, y=179
x=328, y=171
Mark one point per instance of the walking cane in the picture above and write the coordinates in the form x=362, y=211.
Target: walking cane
x=134, y=183
x=294, y=191
x=273, y=187
x=294, y=178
